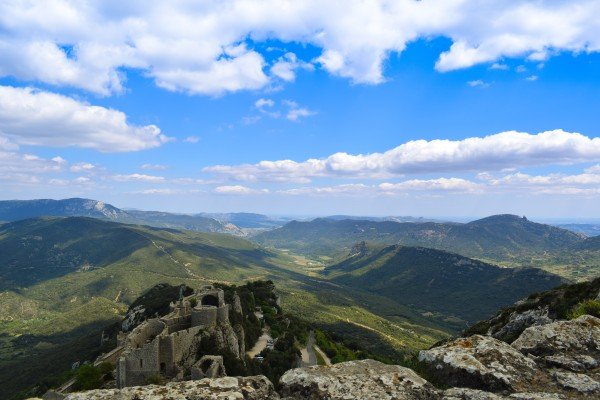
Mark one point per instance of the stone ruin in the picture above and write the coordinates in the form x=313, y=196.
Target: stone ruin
x=160, y=346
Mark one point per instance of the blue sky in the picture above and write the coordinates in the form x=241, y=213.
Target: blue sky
x=410, y=109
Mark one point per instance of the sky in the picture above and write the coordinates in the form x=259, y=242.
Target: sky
x=439, y=108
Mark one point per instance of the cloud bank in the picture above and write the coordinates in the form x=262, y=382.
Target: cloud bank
x=489, y=153
x=210, y=47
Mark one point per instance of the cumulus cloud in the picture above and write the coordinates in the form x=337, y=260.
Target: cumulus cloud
x=82, y=167
x=238, y=190
x=347, y=189
x=138, y=178
x=285, y=68
x=494, y=152
x=38, y=118
x=478, y=83
x=153, y=167
x=204, y=48
x=442, y=184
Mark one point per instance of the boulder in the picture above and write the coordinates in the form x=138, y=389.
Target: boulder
x=573, y=345
x=249, y=388
x=363, y=379
x=480, y=362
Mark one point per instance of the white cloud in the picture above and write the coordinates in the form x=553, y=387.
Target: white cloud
x=262, y=103
x=478, y=83
x=138, y=178
x=499, y=66
x=347, y=189
x=203, y=48
x=82, y=167
x=238, y=190
x=165, y=192
x=191, y=139
x=494, y=152
x=285, y=68
x=442, y=184
x=153, y=167
x=296, y=113
x=532, y=78
x=32, y=117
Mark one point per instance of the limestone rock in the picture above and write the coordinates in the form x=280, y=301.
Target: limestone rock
x=578, y=382
x=249, y=388
x=480, y=362
x=573, y=344
x=364, y=379
x=519, y=321
x=208, y=367
x=133, y=318
x=469, y=394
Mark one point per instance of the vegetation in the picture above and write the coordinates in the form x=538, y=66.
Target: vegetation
x=88, y=376
x=562, y=303
x=589, y=307
x=439, y=282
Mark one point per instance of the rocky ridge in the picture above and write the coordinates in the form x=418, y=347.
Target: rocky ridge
x=541, y=356
x=558, y=360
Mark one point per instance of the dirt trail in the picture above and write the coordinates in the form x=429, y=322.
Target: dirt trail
x=260, y=345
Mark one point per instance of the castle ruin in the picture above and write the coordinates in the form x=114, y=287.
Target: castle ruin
x=164, y=346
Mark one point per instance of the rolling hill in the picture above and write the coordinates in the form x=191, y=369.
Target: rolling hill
x=499, y=237
x=438, y=281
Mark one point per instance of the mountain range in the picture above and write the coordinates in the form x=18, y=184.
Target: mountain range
x=239, y=224
x=499, y=237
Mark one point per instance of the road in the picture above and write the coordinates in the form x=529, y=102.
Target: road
x=308, y=353
x=260, y=345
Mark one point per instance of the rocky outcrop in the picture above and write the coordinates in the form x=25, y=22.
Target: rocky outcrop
x=519, y=321
x=574, y=345
x=365, y=379
x=558, y=360
x=250, y=388
x=480, y=362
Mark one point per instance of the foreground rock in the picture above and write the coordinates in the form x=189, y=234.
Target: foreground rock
x=480, y=362
x=365, y=379
x=250, y=388
x=573, y=345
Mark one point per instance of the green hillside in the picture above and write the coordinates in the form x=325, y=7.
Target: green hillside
x=64, y=279
x=438, y=281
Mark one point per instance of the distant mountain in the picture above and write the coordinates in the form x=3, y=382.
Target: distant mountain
x=380, y=219
x=248, y=220
x=14, y=210
x=499, y=237
x=586, y=229
x=438, y=281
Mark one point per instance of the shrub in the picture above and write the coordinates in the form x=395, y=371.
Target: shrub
x=88, y=377
x=589, y=307
x=193, y=302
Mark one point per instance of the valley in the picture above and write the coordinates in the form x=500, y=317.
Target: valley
x=64, y=279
